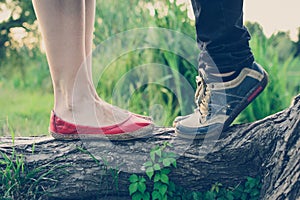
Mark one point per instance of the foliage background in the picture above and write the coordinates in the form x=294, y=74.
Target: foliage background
x=25, y=84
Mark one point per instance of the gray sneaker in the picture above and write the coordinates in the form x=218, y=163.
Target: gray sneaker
x=219, y=101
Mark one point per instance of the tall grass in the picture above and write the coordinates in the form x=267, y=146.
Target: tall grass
x=155, y=99
x=19, y=181
x=284, y=80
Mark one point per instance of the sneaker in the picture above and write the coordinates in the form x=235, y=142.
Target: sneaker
x=219, y=100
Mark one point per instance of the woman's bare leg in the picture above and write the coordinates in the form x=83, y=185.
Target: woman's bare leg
x=90, y=7
x=67, y=27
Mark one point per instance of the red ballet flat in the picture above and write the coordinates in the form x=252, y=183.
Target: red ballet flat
x=132, y=128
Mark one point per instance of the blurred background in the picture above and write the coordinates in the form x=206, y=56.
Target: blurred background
x=25, y=86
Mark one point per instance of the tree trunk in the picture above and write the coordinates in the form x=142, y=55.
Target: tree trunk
x=269, y=148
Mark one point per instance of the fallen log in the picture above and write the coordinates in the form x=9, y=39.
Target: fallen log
x=269, y=148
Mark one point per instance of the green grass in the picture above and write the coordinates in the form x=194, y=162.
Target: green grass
x=27, y=112
x=19, y=181
x=284, y=80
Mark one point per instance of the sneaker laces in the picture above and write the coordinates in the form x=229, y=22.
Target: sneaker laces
x=202, y=97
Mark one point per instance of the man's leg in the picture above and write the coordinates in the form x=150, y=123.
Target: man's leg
x=221, y=34
x=229, y=79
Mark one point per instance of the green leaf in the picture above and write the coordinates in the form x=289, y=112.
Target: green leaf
x=150, y=172
x=156, y=177
x=229, y=196
x=254, y=192
x=172, y=186
x=237, y=194
x=156, y=195
x=142, y=180
x=141, y=187
x=165, y=197
x=169, y=144
x=165, y=143
x=247, y=190
x=148, y=163
x=166, y=162
x=165, y=155
x=197, y=195
x=210, y=195
x=240, y=188
x=133, y=178
x=251, y=182
x=133, y=188
x=250, y=185
x=216, y=187
x=171, y=155
x=137, y=196
x=156, y=167
x=174, y=163
x=172, y=160
x=165, y=171
x=250, y=179
x=164, y=178
x=152, y=155
x=157, y=185
x=158, y=152
x=163, y=189
x=146, y=196
x=155, y=148
x=244, y=196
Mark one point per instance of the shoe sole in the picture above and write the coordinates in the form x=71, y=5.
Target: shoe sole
x=138, y=134
x=255, y=92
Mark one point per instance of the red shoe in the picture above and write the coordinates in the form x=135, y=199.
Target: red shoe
x=132, y=128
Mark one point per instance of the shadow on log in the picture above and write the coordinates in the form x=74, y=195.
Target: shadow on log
x=269, y=148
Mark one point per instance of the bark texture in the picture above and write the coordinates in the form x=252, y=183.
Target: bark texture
x=269, y=148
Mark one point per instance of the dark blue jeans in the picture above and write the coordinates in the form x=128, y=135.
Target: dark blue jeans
x=221, y=35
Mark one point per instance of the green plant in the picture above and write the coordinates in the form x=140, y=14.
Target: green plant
x=12, y=173
x=158, y=169
x=249, y=190
x=137, y=188
x=18, y=181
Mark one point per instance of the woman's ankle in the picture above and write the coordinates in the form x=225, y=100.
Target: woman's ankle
x=91, y=113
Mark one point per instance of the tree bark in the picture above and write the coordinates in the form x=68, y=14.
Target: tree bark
x=269, y=148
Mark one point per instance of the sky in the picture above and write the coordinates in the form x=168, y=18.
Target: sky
x=274, y=15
